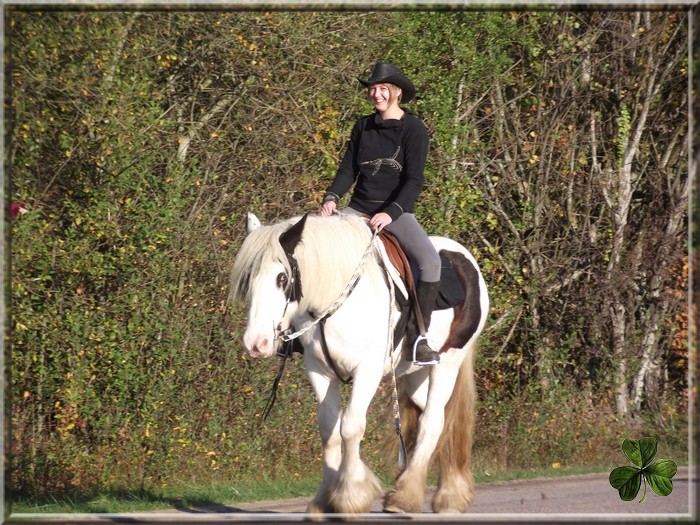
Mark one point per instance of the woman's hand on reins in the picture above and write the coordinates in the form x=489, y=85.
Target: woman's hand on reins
x=328, y=208
x=379, y=221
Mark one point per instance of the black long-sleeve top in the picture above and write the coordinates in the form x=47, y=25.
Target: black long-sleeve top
x=386, y=158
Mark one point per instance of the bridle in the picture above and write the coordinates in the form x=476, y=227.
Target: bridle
x=288, y=336
x=294, y=294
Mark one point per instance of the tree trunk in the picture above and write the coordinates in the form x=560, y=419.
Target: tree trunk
x=650, y=368
x=619, y=325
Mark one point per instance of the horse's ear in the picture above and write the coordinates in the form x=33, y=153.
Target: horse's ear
x=290, y=238
x=252, y=223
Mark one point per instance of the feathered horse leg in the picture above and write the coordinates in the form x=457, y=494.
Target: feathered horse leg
x=357, y=486
x=329, y=411
x=408, y=493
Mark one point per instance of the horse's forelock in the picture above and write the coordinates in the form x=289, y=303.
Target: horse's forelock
x=260, y=249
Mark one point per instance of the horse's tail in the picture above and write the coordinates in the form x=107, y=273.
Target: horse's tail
x=454, y=447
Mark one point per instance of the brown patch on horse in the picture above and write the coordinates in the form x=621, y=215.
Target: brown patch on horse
x=467, y=314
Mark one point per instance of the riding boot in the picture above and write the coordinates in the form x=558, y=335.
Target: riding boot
x=426, y=294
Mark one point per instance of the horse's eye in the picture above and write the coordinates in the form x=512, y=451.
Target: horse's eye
x=282, y=281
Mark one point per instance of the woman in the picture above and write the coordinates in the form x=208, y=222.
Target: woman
x=385, y=158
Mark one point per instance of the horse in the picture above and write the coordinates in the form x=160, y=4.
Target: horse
x=293, y=273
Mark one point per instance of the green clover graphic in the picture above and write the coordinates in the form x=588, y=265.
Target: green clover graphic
x=627, y=480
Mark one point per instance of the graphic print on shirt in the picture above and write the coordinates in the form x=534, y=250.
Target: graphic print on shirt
x=377, y=163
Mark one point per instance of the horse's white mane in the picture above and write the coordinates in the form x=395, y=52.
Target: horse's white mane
x=330, y=249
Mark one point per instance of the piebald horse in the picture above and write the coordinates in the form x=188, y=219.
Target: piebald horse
x=296, y=271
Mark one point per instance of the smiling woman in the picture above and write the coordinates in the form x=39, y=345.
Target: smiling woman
x=386, y=98
x=385, y=160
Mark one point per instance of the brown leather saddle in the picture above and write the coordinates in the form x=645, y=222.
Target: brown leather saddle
x=398, y=258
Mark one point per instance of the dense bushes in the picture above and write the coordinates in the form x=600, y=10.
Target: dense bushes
x=140, y=140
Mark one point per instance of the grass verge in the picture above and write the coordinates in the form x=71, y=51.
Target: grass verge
x=184, y=496
x=221, y=496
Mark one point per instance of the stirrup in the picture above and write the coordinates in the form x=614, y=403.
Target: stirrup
x=434, y=357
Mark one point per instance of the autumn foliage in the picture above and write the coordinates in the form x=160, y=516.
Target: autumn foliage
x=141, y=139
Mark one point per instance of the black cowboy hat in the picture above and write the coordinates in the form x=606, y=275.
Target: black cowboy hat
x=390, y=74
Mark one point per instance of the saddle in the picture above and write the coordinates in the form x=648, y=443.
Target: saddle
x=451, y=291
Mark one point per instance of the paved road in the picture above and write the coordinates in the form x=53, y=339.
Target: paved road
x=586, y=498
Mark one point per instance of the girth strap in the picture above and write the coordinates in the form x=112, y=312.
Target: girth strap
x=327, y=355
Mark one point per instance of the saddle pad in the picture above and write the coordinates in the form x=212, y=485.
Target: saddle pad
x=451, y=291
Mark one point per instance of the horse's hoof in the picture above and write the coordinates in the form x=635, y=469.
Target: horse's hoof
x=315, y=508
x=393, y=509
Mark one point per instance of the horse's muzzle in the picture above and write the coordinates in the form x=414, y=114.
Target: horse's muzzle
x=259, y=345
